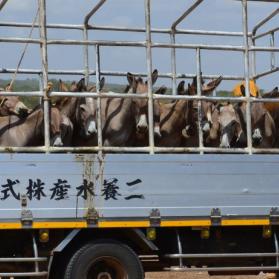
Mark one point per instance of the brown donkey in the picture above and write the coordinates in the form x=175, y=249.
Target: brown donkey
x=29, y=131
x=12, y=105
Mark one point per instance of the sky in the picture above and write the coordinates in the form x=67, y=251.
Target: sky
x=221, y=15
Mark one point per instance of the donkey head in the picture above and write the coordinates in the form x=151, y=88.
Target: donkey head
x=55, y=127
x=12, y=105
x=138, y=86
x=229, y=125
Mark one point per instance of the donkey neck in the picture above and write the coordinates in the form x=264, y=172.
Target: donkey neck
x=173, y=116
x=69, y=107
x=33, y=123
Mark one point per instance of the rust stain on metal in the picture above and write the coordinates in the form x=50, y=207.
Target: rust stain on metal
x=88, y=175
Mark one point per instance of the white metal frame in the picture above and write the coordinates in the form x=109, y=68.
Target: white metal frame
x=249, y=45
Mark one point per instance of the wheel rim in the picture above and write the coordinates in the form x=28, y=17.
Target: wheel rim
x=106, y=268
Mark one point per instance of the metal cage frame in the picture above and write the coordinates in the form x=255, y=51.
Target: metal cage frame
x=248, y=47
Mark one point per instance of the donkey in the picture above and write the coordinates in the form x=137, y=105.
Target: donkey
x=140, y=107
x=263, y=126
x=175, y=119
x=178, y=120
x=233, y=132
x=29, y=131
x=78, y=114
x=12, y=105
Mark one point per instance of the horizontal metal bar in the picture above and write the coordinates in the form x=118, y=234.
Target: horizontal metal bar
x=209, y=33
x=115, y=73
x=33, y=149
x=19, y=40
x=274, y=30
x=100, y=43
x=126, y=29
x=138, y=44
x=203, y=98
x=201, y=46
x=96, y=95
x=96, y=149
x=138, y=149
x=27, y=94
x=231, y=255
x=261, y=48
x=123, y=43
x=240, y=268
x=49, y=26
x=111, y=94
x=22, y=274
x=5, y=260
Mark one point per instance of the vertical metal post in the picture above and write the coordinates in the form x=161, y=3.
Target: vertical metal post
x=272, y=54
x=99, y=121
x=254, y=64
x=41, y=87
x=199, y=91
x=43, y=46
x=276, y=248
x=179, y=246
x=246, y=74
x=173, y=62
x=149, y=75
x=86, y=56
x=35, y=251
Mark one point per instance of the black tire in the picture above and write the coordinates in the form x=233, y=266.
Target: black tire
x=109, y=260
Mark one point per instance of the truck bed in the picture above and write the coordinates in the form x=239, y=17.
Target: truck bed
x=137, y=190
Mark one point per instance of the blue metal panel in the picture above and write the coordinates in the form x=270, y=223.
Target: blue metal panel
x=131, y=185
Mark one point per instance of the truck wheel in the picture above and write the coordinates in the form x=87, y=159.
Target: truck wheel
x=104, y=261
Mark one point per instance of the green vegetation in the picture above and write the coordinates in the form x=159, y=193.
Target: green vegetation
x=28, y=85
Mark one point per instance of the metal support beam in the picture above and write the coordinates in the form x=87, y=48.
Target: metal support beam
x=247, y=74
x=44, y=57
x=149, y=75
x=2, y=4
x=185, y=14
x=92, y=12
x=265, y=20
x=199, y=93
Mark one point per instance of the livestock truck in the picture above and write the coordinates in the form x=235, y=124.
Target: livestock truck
x=116, y=212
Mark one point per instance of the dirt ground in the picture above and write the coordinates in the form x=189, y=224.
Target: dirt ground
x=198, y=275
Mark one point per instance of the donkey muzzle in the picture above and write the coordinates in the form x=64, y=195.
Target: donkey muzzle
x=225, y=141
x=57, y=141
x=257, y=136
x=21, y=110
x=92, y=129
x=142, y=125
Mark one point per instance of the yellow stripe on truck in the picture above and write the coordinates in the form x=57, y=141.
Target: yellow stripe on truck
x=186, y=223
x=135, y=224
x=123, y=224
x=10, y=226
x=252, y=222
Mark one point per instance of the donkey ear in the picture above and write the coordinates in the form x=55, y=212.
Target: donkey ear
x=219, y=106
x=102, y=83
x=73, y=86
x=83, y=107
x=154, y=76
x=8, y=87
x=242, y=90
x=180, y=88
x=130, y=78
x=81, y=85
x=162, y=90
